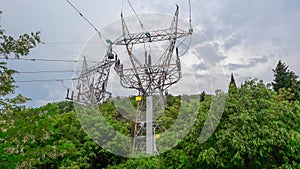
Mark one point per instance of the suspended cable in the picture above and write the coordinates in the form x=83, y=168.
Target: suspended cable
x=141, y=24
x=190, y=14
x=47, y=71
x=138, y=18
x=122, y=6
x=188, y=46
x=46, y=60
x=174, y=3
x=70, y=42
x=190, y=32
x=62, y=82
x=45, y=80
x=58, y=48
x=102, y=38
x=63, y=43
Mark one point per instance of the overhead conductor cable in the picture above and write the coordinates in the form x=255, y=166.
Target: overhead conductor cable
x=102, y=38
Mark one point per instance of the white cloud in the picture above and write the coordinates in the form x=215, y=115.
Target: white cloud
x=248, y=30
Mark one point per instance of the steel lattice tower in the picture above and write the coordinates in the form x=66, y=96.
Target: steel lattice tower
x=148, y=78
x=89, y=90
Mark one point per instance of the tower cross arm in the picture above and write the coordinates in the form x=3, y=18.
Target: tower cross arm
x=151, y=36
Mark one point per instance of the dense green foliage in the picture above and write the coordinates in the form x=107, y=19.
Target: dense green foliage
x=259, y=129
x=48, y=137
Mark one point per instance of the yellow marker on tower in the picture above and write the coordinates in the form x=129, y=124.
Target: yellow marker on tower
x=138, y=98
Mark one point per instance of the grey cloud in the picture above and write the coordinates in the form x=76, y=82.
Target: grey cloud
x=208, y=54
x=234, y=66
x=233, y=40
x=199, y=67
x=254, y=61
x=251, y=21
x=251, y=63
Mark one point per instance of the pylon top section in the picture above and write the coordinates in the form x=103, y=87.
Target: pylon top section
x=171, y=33
x=151, y=76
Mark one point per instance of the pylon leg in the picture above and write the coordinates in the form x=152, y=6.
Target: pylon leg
x=149, y=125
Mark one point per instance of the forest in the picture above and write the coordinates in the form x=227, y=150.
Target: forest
x=260, y=126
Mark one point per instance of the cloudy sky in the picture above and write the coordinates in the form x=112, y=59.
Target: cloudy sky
x=244, y=37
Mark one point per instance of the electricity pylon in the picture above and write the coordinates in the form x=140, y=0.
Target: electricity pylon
x=89, y=90
x=149, y=78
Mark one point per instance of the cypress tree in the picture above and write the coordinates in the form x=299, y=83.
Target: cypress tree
x=232, y=81
x=202, y=96
x=232, y=84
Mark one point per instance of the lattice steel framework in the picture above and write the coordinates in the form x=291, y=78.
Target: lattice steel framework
x=148, y=78
x=160, y=75
x=89, y=90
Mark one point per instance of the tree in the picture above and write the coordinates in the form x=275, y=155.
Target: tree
x=284, y=78
x=49, y=137
x=297, y=90
x=232, y=81
x=9, y=46
x=232, y=84
x=261, y=132
x=202, y=96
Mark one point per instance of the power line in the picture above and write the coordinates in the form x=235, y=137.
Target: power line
x=45, y=60
x=45, y=80
x=141, y=24
x=190, y=32
x=138, y=18
x=58, y=48
x=66, y=42
x=190, y=14
x=102, y=38
x=122, y=6
x=69, y=42
x=47, y=71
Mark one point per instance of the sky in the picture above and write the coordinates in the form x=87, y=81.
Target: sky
x=246, y=38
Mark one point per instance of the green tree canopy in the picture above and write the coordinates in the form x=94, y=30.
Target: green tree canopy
x=16, y=47
x=284, y=78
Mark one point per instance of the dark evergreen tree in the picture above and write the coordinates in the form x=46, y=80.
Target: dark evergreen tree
x=283, y=78
x=232, y=84
x=232, y=81
x=202, y=96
